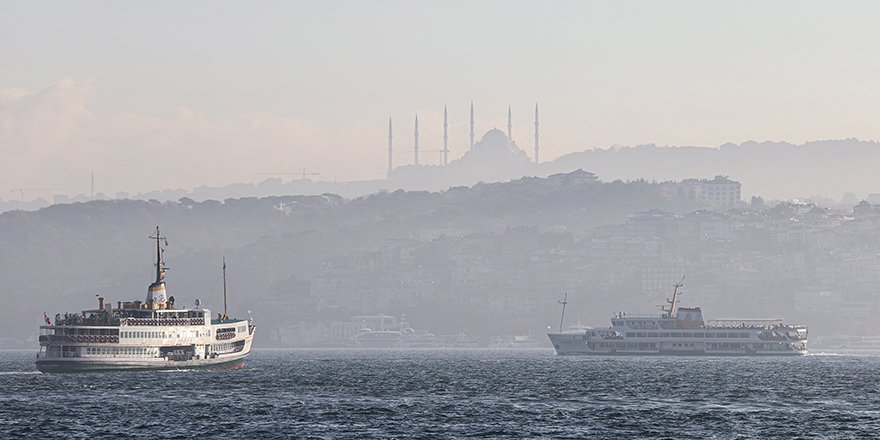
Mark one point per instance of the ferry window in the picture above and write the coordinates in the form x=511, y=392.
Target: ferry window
x=630, y=335
x=721, y=335
x=640, y=335
x=664, y=335
x=675, y=335
x=744, y=335
x=652, y=335
x=699, y=335
x=710, y=335
x=687, y=335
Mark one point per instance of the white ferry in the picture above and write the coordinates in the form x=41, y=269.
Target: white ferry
x=681, y=331
x=387, y=332
x=143, y=336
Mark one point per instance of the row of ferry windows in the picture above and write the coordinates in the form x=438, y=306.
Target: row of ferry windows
x=652, y=345
x=122, y=351
x=685, y=335
x=162, y=335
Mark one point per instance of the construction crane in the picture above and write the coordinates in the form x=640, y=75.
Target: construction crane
x=22, y=190
x=303, y=174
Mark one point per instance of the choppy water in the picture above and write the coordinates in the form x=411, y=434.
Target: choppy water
x=452, y=394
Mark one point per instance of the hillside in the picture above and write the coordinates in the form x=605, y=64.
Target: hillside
x=56, y=259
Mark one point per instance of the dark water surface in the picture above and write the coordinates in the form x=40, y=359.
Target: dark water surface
x=452, y=394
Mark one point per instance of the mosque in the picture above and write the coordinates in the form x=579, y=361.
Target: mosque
x=495, y=157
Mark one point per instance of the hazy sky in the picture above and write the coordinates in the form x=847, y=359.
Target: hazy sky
x=178, y=94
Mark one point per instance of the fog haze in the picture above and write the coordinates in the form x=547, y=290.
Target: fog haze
x=218, y=93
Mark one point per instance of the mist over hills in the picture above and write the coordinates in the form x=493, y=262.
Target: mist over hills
x=773, y=170
x=822, y=171
x=778, y=170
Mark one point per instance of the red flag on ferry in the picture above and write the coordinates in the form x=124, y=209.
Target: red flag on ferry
x=46, y=318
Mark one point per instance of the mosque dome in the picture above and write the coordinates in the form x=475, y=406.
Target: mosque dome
x=495, y=141
x=494, y=136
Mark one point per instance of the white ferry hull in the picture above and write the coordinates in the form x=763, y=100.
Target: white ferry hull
x=77, y=366
x=82, y=364
x=569, y=344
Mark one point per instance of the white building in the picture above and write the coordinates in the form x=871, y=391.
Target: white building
x=719, y=192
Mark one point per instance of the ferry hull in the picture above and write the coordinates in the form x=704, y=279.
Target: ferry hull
x=79, y=366
x=569, y=344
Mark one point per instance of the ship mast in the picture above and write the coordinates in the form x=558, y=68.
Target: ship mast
x=563, y=301
x=673, y=303
x=224, y=287
x=156, y=295
x=160, y=266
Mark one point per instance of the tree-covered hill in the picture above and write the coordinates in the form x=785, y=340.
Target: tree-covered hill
x=56, y=259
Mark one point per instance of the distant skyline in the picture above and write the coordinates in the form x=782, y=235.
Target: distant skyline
x=166, y=94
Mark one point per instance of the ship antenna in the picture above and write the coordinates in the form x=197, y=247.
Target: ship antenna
x=563, y=301
x=224, y=287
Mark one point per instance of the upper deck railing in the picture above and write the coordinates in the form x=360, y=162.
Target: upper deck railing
x=162, y=321
x=637, y=316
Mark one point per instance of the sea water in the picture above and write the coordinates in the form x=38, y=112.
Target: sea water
x=452, y=394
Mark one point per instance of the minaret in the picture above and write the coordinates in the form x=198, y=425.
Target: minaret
x=416, y=146
x=472, y=124
x=537, y=146
x=390, y=149
x=445, y=137
x=509, y=125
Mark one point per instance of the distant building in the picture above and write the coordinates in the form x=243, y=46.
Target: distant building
x=719, y=192
x=575, y=178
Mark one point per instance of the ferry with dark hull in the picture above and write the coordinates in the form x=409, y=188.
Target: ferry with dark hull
x=681, y=331
x=144, y=335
